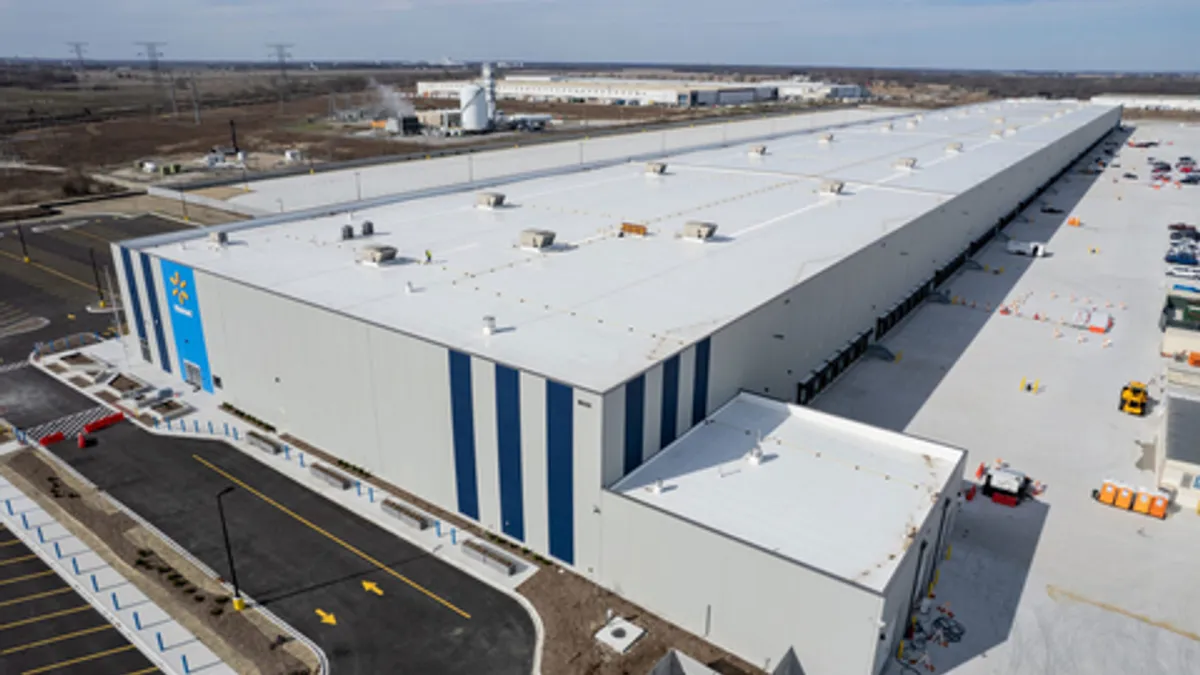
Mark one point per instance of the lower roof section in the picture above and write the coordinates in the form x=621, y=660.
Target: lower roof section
x=826, y=492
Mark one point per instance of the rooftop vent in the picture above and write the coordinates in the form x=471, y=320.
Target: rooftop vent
x=1010, y=131
x=347, y=232
x=220, y=238
x=656, y=168
x=905, y=163
x=489, y=200
x=758, y=150
x=489, y=325
x=954, y=147
x=911, y=124
x=377, y=254
x=755, y=456
x=920, y=117
x=832, y=187
x=538, y=239
x=886, y=127
x=998, y=120
x=997, y=133
x=699, y=230
x=825, y=138
x=368, y=228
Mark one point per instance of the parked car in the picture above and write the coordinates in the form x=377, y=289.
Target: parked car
x=1190, y=179
x=1185, y=235
x=1181, y=258
x=1130, y=176
x=1181, y=227
x=1183, y=272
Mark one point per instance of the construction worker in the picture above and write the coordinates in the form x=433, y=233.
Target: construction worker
x=428, y=257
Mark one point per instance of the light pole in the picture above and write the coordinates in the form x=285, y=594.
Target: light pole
x=238, y=603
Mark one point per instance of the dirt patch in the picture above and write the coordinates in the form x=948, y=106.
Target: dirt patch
x=200, y=604
x=573, y=609
x=18, y=186
x=221, y=193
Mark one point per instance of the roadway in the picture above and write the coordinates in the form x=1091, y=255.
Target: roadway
x=307, y=559
x=58, y=282
x=46, y=627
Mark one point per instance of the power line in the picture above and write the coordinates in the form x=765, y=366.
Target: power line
x=280, y=50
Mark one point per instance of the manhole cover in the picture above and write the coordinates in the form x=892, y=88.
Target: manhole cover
x=618, y=633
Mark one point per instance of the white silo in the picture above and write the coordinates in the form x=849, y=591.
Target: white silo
x=472, y=104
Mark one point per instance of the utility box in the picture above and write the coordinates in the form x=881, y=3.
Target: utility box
x=656, y=168
x=377, y=254
x=699, y=230
x=832, y=187
x=758, y=150
x=489, y=200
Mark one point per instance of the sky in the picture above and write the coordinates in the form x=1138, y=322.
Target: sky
x=1123, y=35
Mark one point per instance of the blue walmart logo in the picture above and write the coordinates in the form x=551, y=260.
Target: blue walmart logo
x=179, y=289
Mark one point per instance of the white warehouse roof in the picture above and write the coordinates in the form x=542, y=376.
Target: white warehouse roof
x=835, y=495
x=599, y=308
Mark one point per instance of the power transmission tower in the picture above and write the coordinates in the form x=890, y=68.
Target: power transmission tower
x=195, y=101
x=151, y=51
x=280, y=50
x=78, y=48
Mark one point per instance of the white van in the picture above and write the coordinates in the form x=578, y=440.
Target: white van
x=1029, y=248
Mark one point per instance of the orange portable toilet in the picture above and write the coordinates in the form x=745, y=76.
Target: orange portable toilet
x=1124, y=498
x=1107, y=493
x=1141, y=501
x=1158, y=506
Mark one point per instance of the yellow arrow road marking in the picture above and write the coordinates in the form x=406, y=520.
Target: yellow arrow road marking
x=326, y=617
x=371, y=587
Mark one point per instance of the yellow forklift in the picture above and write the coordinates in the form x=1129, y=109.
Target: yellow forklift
x=1134, y=399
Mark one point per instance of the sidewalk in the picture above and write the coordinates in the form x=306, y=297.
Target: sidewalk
x=167, y=644
x=203, y=418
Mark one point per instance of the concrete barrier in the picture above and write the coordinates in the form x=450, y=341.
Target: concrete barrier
x=103, y=422
x=490, y=557
x=334, y=478
x=264, y=443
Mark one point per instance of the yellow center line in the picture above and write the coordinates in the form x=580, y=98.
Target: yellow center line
x=57, y=638
x=13, y=561
x=36, y=596
x=78, y=230
x=151, y=669
x=10, y=542
x=36, y=575
x=46, y=617
x=81, y=659
x=50, y=270
x=333, y=538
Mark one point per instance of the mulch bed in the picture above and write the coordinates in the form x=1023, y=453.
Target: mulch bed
x=196, y=601
x=79, y=381
x=56, y=368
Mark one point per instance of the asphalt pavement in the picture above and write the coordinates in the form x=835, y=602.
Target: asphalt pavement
x=30, y=398
x=46, y=627
x=307, y=559
x=60, y=281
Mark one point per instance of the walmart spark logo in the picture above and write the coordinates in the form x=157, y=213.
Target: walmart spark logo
x=179, y=289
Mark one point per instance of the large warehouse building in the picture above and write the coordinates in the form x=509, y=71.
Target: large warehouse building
x=605, y=366
x=685, y=93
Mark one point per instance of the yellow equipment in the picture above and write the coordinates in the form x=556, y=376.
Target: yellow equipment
x=1133, y=399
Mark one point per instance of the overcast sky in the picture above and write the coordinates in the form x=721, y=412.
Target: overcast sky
x=1136, y=35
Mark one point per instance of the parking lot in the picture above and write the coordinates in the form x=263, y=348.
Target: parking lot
x=59, y=281
x=307, y=559
x=45, y=627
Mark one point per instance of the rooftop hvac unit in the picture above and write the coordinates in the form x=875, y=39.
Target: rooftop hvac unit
x=825, y=138
x=368, y=228
x=920, y=117
x=656, y=168
x=699, y=230
x=377, y=254
x=758, y=150
x=489, y=325
x=1010, y=131
x=911, y=124
x=905, y=163
x=954, y=147
x=886, y=127
x=998, y=120
x=347, y=232
x=997, y=133
x=538, y=239
x=219, y=237
x=832, y=187
x=489, y=200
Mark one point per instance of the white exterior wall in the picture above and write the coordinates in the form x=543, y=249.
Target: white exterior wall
x=746, y=600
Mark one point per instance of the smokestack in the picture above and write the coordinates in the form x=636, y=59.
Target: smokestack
x=489, y=92
x=233, y=136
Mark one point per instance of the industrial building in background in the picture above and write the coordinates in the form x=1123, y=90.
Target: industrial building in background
x=612, y=91
x=477, y=112
x=609, y=366
x=1150, y=102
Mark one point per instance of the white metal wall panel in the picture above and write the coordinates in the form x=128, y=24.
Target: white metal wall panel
x=487, y=457
x=709, y=585
x=533, y=461
x=588, y=425
x=612, y=458
x=652, y=425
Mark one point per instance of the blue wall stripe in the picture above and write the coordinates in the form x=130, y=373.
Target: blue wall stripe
x=508, y=441
x=560, y=470
x=700, y=388
x=462, y=419
x=155, y=316
x=670, y=402
x=635, y=415
x=135, y=298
